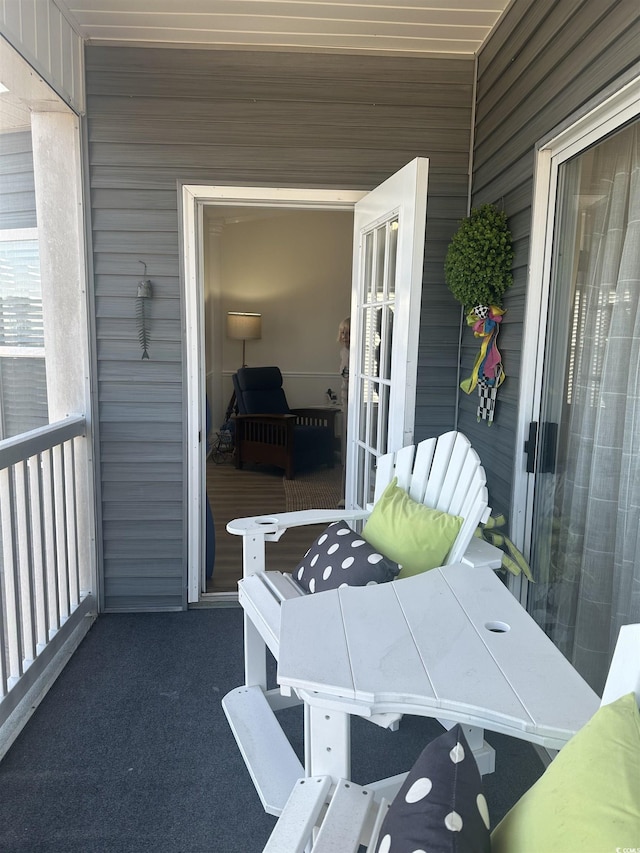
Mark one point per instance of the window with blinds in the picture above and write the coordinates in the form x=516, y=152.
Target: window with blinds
x=23, y=387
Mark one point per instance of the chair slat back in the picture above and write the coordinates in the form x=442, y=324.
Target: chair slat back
x=385, y=472
x=458, y=470
x=447, y=462
x=456, y=491
x=403, y=467
x=421, y=469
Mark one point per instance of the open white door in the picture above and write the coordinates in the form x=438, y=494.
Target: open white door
x=388, y=252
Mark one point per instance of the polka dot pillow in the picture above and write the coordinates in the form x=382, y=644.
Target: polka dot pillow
x=440, y=807
x=341, y=557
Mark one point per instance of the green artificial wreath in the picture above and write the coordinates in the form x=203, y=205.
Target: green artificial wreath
x=478, y=262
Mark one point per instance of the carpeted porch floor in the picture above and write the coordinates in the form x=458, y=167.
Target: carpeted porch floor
x=130, y=751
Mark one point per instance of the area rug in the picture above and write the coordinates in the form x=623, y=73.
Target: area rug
x=321, y=489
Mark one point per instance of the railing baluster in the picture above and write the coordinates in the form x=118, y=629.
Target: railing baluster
x=11, y=587
x=5, y=587
x=50, y=543
x=61, y=531
x=37, y=553
x=24, y=564
x=3, y=649
x=70, y=510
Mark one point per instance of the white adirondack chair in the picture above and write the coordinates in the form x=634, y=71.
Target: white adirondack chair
x=323, y=815
x=443, y=473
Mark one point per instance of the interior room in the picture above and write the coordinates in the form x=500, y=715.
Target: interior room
x=293, y=268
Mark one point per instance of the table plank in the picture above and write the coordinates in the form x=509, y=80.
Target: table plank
x=385, y=662
x=464, y=675
x=556, y=697
x=314, y=653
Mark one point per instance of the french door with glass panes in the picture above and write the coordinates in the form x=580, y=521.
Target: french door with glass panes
x=389, y=234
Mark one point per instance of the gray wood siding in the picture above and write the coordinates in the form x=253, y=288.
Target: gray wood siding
x=156, y=117
x=544, y=61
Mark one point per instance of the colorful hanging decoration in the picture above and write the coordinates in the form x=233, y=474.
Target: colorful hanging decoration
x=478, y=271
x=487, y=374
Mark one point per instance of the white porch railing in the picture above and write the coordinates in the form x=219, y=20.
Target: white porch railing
x=46, y=563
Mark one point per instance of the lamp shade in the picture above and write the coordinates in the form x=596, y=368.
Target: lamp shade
x=242, y=326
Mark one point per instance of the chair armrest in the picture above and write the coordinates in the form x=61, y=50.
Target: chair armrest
x=273, y=526
x=479, y=552
x=277, y=418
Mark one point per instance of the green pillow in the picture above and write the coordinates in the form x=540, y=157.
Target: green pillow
x=412, y=534
x=588, y=799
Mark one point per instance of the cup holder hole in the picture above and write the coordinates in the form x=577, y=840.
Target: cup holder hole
x=497, y=627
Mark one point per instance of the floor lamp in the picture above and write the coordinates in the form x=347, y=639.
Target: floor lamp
x=242, y=326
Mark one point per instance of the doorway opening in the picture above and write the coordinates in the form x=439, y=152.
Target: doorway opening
x=293, y=269
x=252, y=219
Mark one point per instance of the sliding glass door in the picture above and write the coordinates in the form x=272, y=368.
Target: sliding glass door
x=585, y=537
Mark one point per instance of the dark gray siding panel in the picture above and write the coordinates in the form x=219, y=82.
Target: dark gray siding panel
x=544, y=62
x=158, y=117
x=17, y=191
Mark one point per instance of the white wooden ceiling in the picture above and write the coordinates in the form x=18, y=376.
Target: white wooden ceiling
x=391, y=27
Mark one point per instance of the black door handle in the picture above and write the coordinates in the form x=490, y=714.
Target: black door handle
x=530, y=447
x=546, y=458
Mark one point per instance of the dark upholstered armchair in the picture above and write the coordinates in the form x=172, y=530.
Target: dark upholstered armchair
x=268, y=431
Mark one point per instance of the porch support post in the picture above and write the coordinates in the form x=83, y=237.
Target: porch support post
x=61, y=233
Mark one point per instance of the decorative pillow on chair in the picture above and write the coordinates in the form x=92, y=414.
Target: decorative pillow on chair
x=440, y=807
x=412, y=534
x=341, y=557
x=588, y=798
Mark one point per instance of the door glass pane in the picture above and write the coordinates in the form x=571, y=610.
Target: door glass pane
x=368, y=351
x=361, y=485
x=381, y=252
x=393, y=254
x=383, y=417
x=387, y=342
x=375, y=396
x=364, y=409
x=376, y=339
x=367, y=262
x=585, y=554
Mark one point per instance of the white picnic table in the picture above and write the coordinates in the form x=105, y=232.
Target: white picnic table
x=452, y=643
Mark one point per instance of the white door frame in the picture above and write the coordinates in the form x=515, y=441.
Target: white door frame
x=194, y=198
x=603, y=119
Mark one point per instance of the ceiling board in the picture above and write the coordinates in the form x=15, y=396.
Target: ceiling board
x=391, y=27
